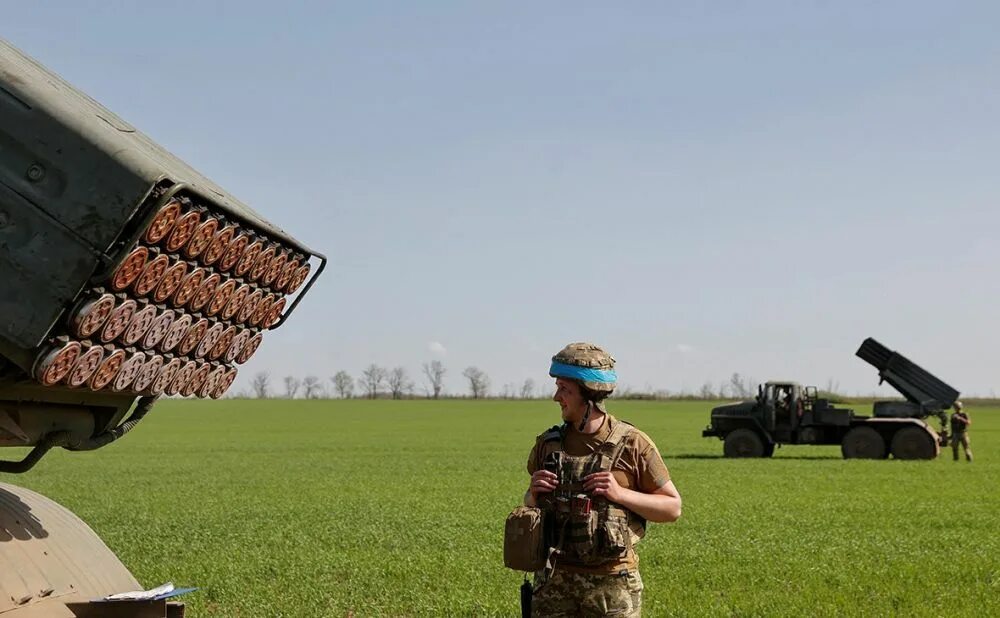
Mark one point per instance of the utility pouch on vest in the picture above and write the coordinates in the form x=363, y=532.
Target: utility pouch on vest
x=613, y=536
x=581, y=529
x=523, y=540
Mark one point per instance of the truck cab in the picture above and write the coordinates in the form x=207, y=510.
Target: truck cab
x=783, y=412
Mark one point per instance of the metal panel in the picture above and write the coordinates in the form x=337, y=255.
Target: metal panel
x=43, y=266
x=113, y=165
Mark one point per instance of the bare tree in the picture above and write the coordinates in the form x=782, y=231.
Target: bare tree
x=508, y=391
x=344, y=384
x=312, y=386
x=738, y=387
x=479, y=382
x=261, y=384
x=292, y=386
x=528, y=389
x=399, y=382
x=706, y=391
x=434, y=371
x=371, y=380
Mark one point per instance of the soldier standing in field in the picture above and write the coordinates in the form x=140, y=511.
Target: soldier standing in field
x=598, y=481
x=960, y=422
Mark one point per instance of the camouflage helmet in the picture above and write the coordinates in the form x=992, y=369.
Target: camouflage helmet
x=958, y=405
x=586, y=363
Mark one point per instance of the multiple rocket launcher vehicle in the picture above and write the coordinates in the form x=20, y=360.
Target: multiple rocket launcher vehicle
x=787, y=413
x=125, y=275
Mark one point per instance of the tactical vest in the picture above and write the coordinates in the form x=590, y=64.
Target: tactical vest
x=582, y=529
x=957, y=426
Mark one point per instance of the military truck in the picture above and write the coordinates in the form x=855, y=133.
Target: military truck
x=787, y=413
x=125, y=275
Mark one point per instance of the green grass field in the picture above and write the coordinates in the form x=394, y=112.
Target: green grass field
x=359, y=508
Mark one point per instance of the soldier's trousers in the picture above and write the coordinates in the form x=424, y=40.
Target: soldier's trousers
x=583, y=594
x=963, y=439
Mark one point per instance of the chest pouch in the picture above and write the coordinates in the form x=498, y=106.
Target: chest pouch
x=523, y=539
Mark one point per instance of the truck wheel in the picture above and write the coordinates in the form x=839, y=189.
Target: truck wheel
x=743, y=443
x=863, y=443
x=913, y=443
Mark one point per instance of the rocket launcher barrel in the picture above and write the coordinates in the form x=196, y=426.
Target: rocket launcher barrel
x=915, y=383
x=124, y=273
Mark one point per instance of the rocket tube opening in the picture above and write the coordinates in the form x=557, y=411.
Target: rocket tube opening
x=91, y=315
x=171, y=280
x=85, y=367
x=129, y=370
x=119, y=320
x=108, y=370
x=217, y=248
x=141, y=322
x=151, y=275
x=55, y=364
x=129, y=270
x=183, y=231
x=163, y=222
x=201, y=238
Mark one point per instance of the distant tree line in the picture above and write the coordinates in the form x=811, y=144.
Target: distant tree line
x=377, y=382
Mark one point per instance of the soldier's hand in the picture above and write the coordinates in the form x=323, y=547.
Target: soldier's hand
x=543, y=482
x=603, y=484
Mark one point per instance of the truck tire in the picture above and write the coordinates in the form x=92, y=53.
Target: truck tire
x=863, y=443
x=913, y=443
x=743, y=443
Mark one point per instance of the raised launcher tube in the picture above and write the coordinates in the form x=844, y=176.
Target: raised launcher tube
x=124, y=273
x=925, y=394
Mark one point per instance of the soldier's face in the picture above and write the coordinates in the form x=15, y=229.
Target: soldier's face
x=570, y=400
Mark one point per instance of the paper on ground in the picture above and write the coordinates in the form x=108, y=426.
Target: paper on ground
x=142, y=595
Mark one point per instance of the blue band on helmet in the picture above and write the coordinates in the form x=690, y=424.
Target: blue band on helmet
x=584, y=374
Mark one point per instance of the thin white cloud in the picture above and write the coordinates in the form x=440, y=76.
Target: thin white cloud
x=437, y=348
x=684, y=348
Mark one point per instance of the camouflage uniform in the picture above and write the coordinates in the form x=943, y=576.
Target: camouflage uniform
x=565, y=593
x=959, y=433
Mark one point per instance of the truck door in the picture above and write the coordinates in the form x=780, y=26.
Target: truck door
x=767, y=407
x=784, y=406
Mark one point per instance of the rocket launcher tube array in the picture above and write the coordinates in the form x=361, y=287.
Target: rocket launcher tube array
x=186, y=305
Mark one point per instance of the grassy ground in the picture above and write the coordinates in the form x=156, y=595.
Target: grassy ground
x=297, y=509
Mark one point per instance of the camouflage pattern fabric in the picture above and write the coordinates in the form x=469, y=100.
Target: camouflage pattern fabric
x=640, y=468
x=564, y=593
x=963, y=439
x=959, y=433
x=959, y=422
x=585, y=355
x=590, y=356
x=594, y=535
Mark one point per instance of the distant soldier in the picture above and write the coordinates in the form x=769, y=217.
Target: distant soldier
x=960, y=422
x=598, y=480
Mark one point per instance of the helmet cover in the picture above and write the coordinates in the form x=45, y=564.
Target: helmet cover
x=586, y=363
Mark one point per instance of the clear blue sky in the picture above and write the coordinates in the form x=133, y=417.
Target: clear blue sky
x=702, y=188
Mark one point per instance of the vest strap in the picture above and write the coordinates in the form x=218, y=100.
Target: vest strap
x=617, y=439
